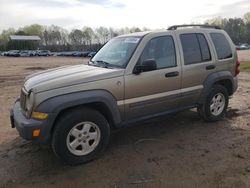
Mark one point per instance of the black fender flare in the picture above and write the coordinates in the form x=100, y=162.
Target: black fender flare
x=211, y=80
x=53, y=106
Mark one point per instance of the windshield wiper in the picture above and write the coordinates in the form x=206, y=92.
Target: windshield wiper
x=92, y=63
x=104, y=63
x=99, y=63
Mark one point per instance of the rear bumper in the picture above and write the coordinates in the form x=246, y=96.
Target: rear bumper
x=235, y=83
x=26, y=126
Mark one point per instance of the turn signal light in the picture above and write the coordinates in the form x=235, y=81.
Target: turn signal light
x=39, y=115
x=36, y=133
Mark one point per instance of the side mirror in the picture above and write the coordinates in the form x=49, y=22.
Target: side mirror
x=147, y=65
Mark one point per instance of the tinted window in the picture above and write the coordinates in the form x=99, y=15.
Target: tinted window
x=191, y=49
x=205, y=53
x=195, y=48
x=222, y=46
x=162, y=50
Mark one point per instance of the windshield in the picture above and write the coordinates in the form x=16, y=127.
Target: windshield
x=117, y=51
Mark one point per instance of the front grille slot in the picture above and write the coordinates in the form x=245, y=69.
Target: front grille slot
x=23, y=99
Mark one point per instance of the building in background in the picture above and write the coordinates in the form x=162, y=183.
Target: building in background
x=24, y=42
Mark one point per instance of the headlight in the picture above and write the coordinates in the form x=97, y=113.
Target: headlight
x=29, y=103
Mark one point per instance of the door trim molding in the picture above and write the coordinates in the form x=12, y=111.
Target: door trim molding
x=159, y=97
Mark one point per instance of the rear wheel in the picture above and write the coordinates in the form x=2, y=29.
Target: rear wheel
x=80, y=136
x=215, y=105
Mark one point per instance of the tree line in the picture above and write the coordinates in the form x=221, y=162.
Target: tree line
x=56, y=38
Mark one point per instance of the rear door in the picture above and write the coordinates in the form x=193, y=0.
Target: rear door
x=197, y=64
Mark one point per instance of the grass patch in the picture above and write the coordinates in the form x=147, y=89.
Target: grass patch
x=245, y=66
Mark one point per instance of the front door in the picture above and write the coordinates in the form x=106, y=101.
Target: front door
x=158, y=90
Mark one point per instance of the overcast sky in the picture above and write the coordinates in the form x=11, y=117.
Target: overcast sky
x=116, y=13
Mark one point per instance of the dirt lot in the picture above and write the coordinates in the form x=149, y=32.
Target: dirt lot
x=176, y=151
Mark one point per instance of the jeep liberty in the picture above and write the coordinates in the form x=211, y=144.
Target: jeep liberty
x=132, y=78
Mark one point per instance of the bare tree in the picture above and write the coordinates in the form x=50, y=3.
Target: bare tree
x=76, y=37
x=102, y=34
x=88, y=34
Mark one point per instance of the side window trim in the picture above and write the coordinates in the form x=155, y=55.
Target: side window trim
x=196, y=35
x=208, y=47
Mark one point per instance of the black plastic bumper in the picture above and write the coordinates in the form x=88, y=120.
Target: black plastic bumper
x=235, y=83
x=26, y=126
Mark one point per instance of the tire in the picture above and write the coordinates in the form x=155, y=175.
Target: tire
x=75, y=147
x=215, y=105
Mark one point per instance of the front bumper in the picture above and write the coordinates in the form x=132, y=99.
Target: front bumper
x=26, y=126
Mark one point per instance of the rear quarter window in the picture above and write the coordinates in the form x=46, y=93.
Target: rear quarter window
x=221, y=45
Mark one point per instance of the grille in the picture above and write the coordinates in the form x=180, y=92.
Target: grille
x=23, y=99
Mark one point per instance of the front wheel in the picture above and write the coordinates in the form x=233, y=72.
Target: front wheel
x=215, y=105
x=80, y=136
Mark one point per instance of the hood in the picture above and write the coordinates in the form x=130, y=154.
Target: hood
x=67, y=76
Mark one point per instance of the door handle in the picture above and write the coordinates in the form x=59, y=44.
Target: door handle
x=172, y=74
x=210, y=67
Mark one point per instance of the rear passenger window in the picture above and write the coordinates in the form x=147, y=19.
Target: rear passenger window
x=195, y=48
x=162, y=50
x=222, y=46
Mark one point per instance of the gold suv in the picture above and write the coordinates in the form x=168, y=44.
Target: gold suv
x=132, y=78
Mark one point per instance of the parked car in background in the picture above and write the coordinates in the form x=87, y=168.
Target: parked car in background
x=13, y=53
x=81, y=54
x=59, y=54
x=32, y=52
x=43, y=53
x=91, y=54
x=24, y=53
x=69, y=53
x=243, y=47
x=6, y=53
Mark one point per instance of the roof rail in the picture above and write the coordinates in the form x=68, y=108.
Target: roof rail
x=174, y=27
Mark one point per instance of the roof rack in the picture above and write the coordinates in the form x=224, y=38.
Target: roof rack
x=174, y=27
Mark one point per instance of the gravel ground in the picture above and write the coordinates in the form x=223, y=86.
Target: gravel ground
x=171, y=151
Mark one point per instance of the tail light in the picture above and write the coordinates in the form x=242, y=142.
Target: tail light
x=237, y=67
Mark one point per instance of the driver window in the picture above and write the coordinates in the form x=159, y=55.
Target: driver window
x=162, y=50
